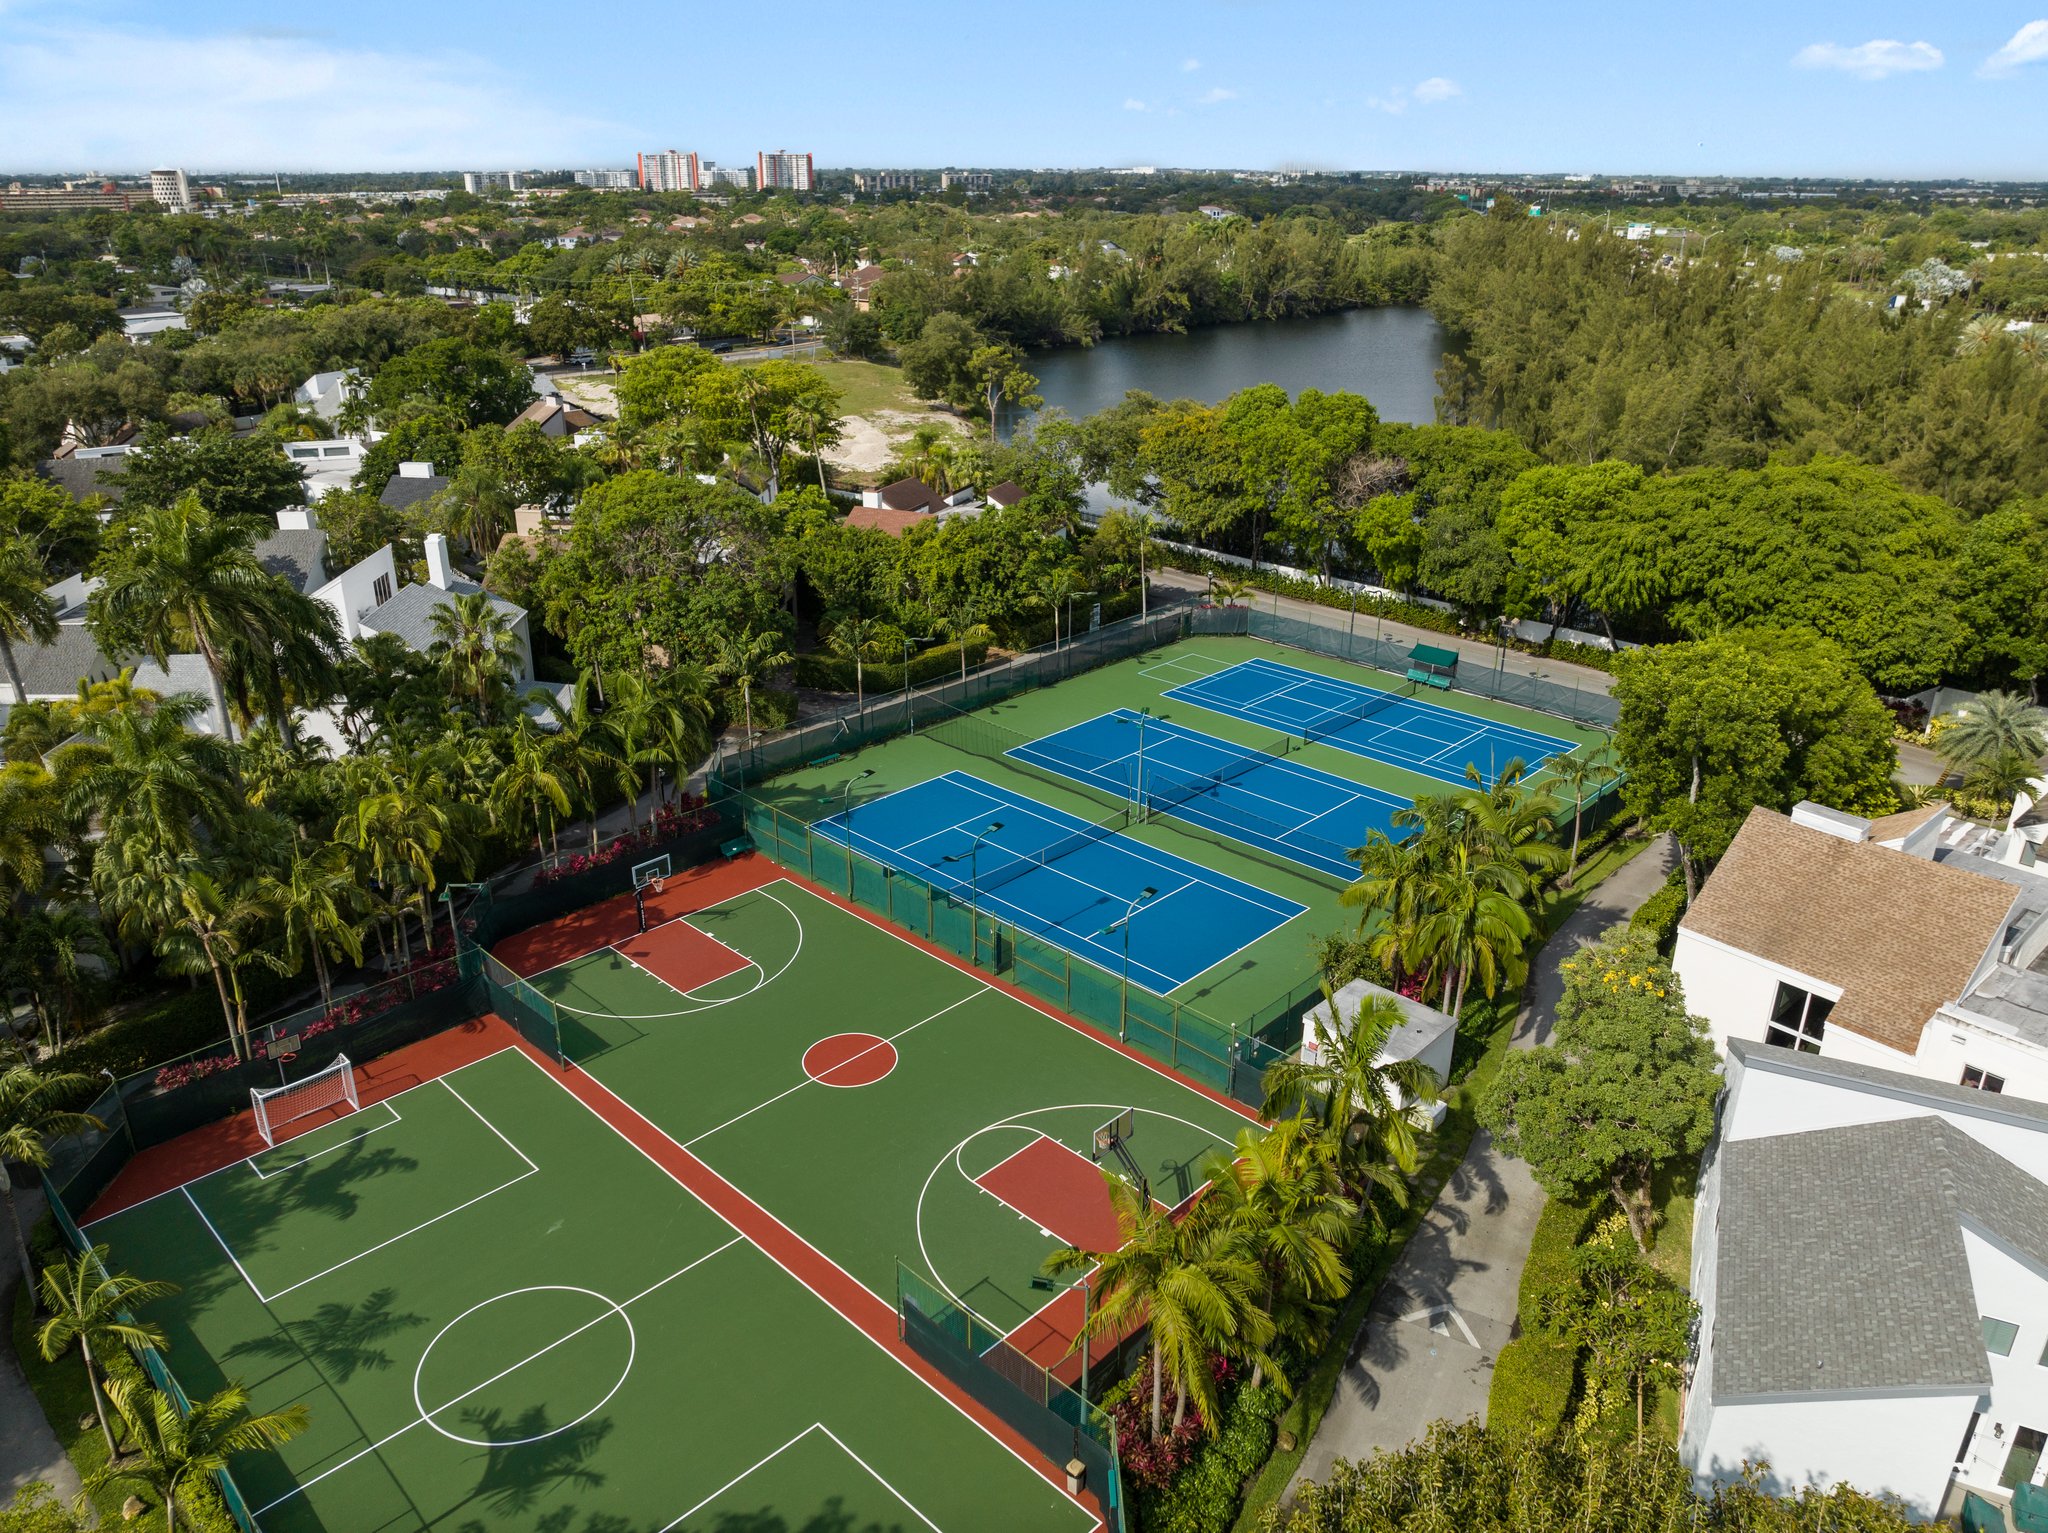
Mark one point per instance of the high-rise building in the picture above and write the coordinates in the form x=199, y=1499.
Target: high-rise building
x=741, y=176
x=782, y=169
x=865, y=181
x=171, y=190
x=967, y=180
x=608, y=180
x=670, y=170
x=474, y=181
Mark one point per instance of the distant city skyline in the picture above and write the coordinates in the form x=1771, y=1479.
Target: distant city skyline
x=1822, y=89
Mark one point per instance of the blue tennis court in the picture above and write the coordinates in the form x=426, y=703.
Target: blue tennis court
x=1367, y=721
x=1305, y=815
x=1059, y=878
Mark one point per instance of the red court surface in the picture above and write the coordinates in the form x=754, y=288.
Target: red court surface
x=165, y=1166
x=680, y=955
x=615, y=920
x=849, y=1059
x=1063, y=1192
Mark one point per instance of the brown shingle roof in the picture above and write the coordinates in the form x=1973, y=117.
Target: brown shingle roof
x=1899, y=935
x=912, y=495
x=886, y=519
x=1896, y=827
x=1008, y=493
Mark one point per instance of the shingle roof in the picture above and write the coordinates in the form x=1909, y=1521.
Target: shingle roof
x=886, y=519
x=911, y=495
x=401, y=491
x=297, y=553
x=1898, y=935
x=409, y=613
x=1896, y=827
x=55, y=669
x=185, y=673
x=1874, y=1080
x=1007, y=493
x=80, y=477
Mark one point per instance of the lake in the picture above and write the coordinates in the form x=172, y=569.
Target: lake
x=1388, y=355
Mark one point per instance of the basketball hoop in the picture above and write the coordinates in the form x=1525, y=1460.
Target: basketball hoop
x=657, y=885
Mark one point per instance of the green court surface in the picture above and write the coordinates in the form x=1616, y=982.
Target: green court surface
x=502, y=1316
x=1275, y=963
x=873, y=1173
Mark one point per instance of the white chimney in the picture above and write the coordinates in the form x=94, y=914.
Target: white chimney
x=413, y=470
x=1835, y=822
x=296, y=519
x=437, y=560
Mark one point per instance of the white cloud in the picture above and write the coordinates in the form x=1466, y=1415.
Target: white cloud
x=1437, y=88
x=2029, y=45
x=1216, y=94
x=1133, y=104
x=115, y=100
x=1190, y=65
x=1872, y=60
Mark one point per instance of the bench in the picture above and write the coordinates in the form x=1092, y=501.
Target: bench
x=824, y=760
x=1430, y=679
x=738, y=846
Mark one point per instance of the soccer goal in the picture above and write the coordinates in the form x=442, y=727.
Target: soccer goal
x=277, y=1106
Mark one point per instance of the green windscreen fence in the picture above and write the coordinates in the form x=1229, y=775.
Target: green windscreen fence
x=1053, y=1417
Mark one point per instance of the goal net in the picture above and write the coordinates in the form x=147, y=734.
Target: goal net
x=278, y=1106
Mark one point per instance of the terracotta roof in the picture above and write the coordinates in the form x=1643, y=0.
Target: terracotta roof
x=886, y=519
x=1896, y=827
x=1898, y=935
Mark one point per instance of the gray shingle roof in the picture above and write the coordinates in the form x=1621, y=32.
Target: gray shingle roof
x=1876, y=1081
x=80, y=477
x=409, y=614
x=55, y=669
x=297, y=553
x=1841, y=1264
x=401, y=491
x=185, y=673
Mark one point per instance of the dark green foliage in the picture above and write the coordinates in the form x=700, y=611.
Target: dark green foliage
x=1204, y=1496
x=1660, y=914
x=1559, y=1229
x=234, y=476
x=169, y=1024
x=1532, y=1384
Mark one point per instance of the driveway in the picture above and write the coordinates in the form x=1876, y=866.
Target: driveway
x=28, y=1448
x=1427, y=1346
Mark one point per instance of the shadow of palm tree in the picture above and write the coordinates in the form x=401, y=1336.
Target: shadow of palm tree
x=339, y=1339
x=516, y=1476
x=830, y=1518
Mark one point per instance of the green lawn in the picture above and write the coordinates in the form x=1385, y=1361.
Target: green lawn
x=866, y=387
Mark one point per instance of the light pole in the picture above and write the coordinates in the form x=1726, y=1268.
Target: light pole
x=1123, y=1016
x=972, y=857
x=1070, y=613
x=909, y=708
x=846, y=817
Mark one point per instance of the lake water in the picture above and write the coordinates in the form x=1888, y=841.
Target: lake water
x=1388, y=355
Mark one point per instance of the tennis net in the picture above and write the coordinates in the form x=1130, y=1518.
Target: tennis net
x=1183, y=786
x=1053, y=851
x=1339, y=720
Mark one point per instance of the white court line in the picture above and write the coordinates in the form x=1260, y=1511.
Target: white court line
x=1036, y=1467
x=270, y=1298
x=423, y=1418
x=170, y=1192
x=699, y=1005
x=307, y=1160
x=810, y=1080
x=816, y=1426
x=1476, y=734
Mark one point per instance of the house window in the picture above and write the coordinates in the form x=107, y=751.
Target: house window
x=1999, y=1335
x=1798, y=1018
x=381, y=589
x=1982, y=1080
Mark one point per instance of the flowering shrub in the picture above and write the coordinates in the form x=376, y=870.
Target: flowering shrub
x=186, y=1071
x=670, y=821
x=1151, y=1462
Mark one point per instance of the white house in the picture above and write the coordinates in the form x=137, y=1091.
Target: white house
x=327, y=465
x=1870, y=1257
x=1891, y=943
x=408, y=611
x=327, y=394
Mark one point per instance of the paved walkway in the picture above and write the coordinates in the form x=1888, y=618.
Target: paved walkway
x=1427, y=1346
x=28, y=1448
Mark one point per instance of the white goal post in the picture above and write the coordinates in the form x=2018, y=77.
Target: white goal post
x=277, y=1106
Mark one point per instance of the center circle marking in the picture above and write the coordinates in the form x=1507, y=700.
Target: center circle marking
x=632, y=1347
x=849, y=1059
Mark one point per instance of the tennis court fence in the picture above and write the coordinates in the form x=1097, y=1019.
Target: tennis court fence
x=1051, y=1415
x=1227, y=1058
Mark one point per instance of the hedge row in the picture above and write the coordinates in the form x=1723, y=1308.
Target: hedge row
x=1204, y=1496
x=1532, y=1385
x=833, y=673
x=169, y=1024
x=1400, y=610
x=1661, y=912
x=1559, y=1229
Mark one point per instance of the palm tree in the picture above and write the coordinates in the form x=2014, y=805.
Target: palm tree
x=477, y=647
x=745, y=658
x=403, y=828
x=1188, y=1281
x=30, y=1117
x=52, y=937
x=1054, y=587
x=1228, y=590
x=317, y=897
x=582, y=752
x=853, y=638
x=148, y=776
x=1363, y=1101
x=26, y=614
x=1575, y=773
x=2002, y=778
x=216, y=925
x=87, y=1305
x=1390, y=880
x=185, y=576
x=1473, y=924
x=660, y=722
x=529, y=791
x=819, y=428
x=31, y=819
x=966, y=629
x=173, y=1449
x=1994, y=724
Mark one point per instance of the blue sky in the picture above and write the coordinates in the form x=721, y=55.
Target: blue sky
x=1740, y=87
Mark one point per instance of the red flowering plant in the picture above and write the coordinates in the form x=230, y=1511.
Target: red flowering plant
x=1153, y=1461
x=186, y=1071
x=670, y=820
